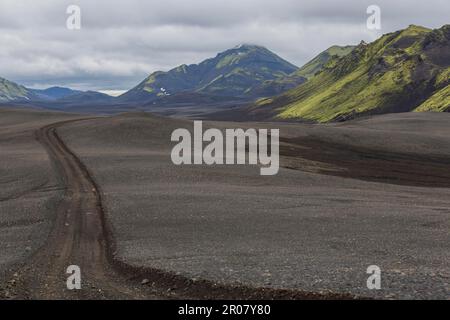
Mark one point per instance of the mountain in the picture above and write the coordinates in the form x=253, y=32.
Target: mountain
x=236, y=72
x=10, y=91
x=407, y=70
x=274, y=87
x=86, y=97
x=54, y=93
x=317, y=63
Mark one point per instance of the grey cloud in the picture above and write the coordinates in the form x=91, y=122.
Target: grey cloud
x=122, y=41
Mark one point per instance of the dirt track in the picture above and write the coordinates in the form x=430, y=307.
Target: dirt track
x=77, y=238
x=81, y=236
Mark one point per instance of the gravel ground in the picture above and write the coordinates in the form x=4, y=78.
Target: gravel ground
x=28, y=187
x=294, y=230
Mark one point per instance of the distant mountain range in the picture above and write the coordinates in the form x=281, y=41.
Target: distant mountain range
x=407, y=70
x=244, y=72
x=54, y=93
x=13, y=92
x=10, y=91
x=240, y=74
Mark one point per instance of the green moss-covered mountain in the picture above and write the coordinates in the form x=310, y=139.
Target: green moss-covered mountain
x=244, y=71
x=10, y=91
x=407, y=70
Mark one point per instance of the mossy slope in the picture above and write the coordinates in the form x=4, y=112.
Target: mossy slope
x=402, y=71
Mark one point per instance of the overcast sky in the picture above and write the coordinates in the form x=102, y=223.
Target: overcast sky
x=122, y=41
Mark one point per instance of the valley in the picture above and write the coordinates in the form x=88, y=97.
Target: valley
x=306, y=232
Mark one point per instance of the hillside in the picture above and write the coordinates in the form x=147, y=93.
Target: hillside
x=235, y=72
x=317, y=63
x=407, y=70
x=10, y=91
x=274, y=87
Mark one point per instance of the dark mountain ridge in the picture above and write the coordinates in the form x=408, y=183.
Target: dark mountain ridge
x=237, y=72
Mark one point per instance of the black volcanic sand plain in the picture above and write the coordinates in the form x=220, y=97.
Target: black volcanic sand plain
x=366, y=192
x=29, y=188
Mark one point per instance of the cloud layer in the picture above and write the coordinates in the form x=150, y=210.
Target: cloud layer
x=122, y=41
